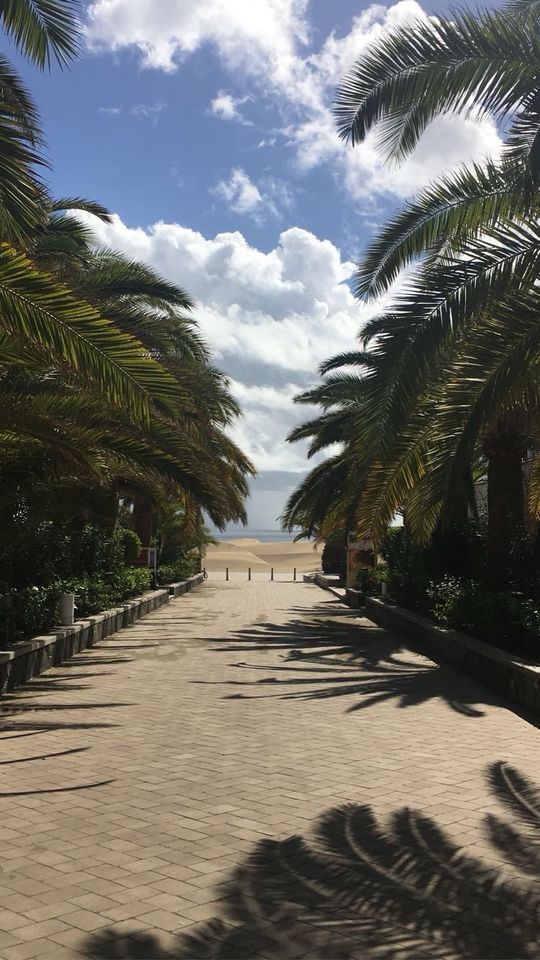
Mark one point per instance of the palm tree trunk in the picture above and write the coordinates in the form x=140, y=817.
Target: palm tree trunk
x=506, y=503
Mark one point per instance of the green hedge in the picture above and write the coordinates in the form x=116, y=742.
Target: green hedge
x=32, y=610
x=457, y=596
x=181, y=570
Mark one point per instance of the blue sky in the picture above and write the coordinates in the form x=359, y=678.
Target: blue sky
x=206, y=128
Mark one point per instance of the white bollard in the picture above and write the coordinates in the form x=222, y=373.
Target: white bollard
x=66, y=609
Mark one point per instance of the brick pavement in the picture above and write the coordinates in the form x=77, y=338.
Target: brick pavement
x=254, y=771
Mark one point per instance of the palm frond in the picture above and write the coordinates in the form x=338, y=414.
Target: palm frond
x=86, y=206
x=461, y=203
x=473, y=64
x=34, y=308
x=43, y=29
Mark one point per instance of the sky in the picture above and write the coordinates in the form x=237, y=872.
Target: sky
x=206, y=127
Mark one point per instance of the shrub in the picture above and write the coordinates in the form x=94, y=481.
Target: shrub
x=180, y=570
x=27, y=612
x=407, y=574
x=507, y=620
x=446, y=596
x=444, y=580
x=33, y=610
x=99, y=592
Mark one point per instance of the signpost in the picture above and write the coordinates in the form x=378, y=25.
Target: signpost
x=148, y=558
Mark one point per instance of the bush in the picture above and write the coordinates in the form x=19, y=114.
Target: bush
x=180, y=570
x=27, y=612
x=444, y=580
x=33, y=610
x=408, y=578
x=509, y=621
x=96, y=593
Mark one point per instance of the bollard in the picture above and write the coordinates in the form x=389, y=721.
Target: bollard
x=294, y=575
x=271, y=573
x=66, y=609
x=226, y=573
x=249, y=573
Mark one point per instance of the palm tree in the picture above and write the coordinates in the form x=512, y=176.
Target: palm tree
x=103, y=374
x=182, y=449
x=33, y=308
x=456, y=352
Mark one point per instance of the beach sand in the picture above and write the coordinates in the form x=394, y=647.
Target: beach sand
x=244, y=552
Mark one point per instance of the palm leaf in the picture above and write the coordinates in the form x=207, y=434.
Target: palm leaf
x=42, y=29
x=34, y=308
x=483, y=64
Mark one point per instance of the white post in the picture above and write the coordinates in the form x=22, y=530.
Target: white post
x=66, y=609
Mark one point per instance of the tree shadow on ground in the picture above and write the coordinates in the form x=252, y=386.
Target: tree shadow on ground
x=340, y=654
x=360, y=888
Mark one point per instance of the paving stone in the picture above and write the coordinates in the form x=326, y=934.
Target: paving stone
x=257, y=708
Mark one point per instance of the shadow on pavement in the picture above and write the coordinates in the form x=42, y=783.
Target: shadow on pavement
x=363, y=888
x=339, y=654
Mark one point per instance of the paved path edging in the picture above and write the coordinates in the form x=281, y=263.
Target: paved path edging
x=497, y=669
x=29, y=658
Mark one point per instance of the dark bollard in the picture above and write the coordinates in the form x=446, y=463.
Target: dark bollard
x=271, y=573
x=249, y=573
x=294, y=575
x=226, y=573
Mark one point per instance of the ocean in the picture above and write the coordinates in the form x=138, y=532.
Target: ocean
x=265, y=536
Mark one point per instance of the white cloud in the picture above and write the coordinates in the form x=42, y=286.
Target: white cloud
x=225, y=107
x=265, y=40
x=247, y=33
x=269, y=415
x=260, y=201
x=269, y=316
x=150, y=111
x=242, y=195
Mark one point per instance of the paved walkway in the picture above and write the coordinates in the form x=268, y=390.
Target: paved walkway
x=254, y=771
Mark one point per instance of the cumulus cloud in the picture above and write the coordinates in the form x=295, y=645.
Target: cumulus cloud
x=242, y=195
x=271, y=316
x=266, y=41
x=225, y=107
x=246, y=33
x=269, y=198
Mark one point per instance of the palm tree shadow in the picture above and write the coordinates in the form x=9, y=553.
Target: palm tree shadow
x=359, y=888
x=349, y=656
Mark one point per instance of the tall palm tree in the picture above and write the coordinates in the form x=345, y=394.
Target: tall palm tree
x=102, y=371
x=183, y=442
x=33, y=308
x=457, y=350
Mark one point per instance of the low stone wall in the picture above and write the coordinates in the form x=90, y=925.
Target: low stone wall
x=509, y=676
x=354, y=598
x=29, y=658
x=328, y=581
x=185, y=586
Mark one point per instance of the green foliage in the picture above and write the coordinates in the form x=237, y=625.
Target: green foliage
x=100, y=592
x=27, y=612
x=180, y=570
x=442, y=581
x=31, y=611
x=500, y=618
x=407, y=573
x=130, y=544
x=451, y=360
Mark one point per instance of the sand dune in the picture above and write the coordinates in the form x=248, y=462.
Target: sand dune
x=244, y=552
